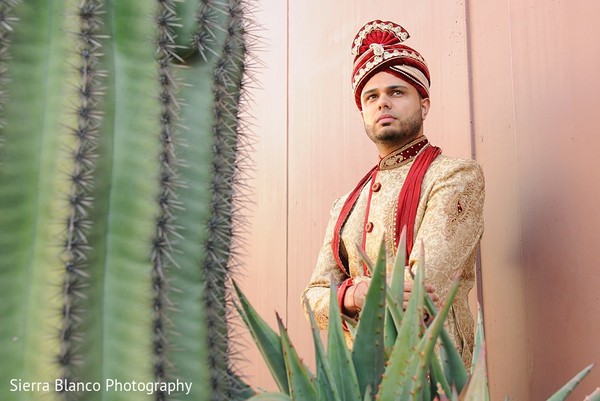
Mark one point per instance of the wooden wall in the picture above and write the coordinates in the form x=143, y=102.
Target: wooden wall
x=513, y=86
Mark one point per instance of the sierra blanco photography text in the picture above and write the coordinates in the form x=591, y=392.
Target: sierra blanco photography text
x=115, y=385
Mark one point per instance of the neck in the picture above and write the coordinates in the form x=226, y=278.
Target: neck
x=404, y=154
x=385, y=149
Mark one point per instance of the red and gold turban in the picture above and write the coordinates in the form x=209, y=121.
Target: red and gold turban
x=378, y=47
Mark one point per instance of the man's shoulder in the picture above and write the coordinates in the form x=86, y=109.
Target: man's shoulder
x=338, y=203
x=444, y=164
x=454, y=168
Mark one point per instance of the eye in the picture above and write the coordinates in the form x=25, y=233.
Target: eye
x=370, y=98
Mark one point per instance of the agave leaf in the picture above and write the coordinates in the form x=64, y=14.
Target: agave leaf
x=477, y=387
x=438, y=376
x=326, y=386
x=454, y=367
x=479, y=337
x=571, y=384
x=408, y=337
x=397, y=288
x=442, y=397
x=267, y=340
x=395, y=307
x=452, y=397
x=426, y=390
x=595, y=396
x=270, y=397
x=299, y=378
x=416, y=368
x=368, y=396
x=351, y=325
x=368, y=349
x=340, y=358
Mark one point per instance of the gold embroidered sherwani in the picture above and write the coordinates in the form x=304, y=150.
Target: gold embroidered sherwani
x=448, y=221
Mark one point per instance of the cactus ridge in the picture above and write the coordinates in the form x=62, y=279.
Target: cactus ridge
x=80, y=201
x=227, y=184
x=166, y=231
x=204, y=38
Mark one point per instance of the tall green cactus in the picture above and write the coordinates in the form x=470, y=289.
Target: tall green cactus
x=120, y=150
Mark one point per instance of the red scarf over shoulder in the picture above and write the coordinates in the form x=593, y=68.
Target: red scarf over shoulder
x=408, y=200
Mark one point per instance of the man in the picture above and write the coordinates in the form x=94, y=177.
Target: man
x=439, y=199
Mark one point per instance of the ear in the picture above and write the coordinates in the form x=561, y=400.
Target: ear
x=425, y=107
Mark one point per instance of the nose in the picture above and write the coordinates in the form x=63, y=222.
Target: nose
x=383, y=101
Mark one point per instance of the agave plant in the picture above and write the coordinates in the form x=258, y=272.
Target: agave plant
x=394, y=353
x=121, y=143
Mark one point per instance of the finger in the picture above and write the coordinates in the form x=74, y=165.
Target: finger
x=430, y=288
x=434, y=297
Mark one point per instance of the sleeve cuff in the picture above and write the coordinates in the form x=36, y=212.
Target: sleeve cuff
x=342, y=288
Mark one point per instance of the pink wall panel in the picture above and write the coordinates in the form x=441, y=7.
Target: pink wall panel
x=494, y=128
x=534, y=90
x=555, y=65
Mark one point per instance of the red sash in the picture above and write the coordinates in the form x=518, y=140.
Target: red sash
x=408, y=200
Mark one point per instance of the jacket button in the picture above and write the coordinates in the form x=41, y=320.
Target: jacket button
x=376, y=187
x=369, y=227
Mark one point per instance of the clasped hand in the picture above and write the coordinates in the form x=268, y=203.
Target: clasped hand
x=354, y=299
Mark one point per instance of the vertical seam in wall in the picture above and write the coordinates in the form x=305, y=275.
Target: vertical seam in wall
x=529, y=355
x=470, y=81
x=478, y=263
x=287, y=161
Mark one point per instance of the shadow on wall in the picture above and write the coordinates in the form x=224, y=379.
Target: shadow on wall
x=560, y=240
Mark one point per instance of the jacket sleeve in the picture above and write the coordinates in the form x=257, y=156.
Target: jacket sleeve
x=451, y=226
x=326, y=269
x=452, y=221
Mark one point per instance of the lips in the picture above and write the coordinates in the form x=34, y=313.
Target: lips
x=385, y=118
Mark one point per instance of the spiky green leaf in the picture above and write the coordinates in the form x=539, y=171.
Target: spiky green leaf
x=415, y=371
x=368, y=348
x=267, y=340
x=437, y=375
x=565, y=390
x=595, y=396
x=477, y=387
x=397, y=289
x=340, y=358
x=408, y=337
x=299, y=378
x=327, y=388
x=479, y=336
x=453, y=365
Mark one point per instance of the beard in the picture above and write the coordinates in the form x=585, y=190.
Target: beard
x=403, y=132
